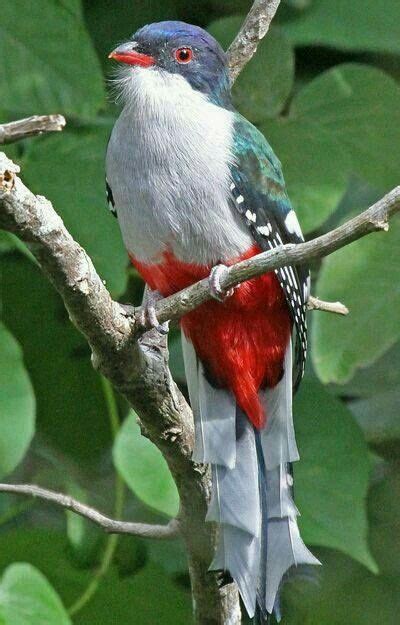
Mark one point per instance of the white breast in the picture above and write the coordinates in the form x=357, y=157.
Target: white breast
x=168, y=168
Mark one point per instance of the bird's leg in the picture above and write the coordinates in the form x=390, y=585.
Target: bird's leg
x=214, y=281
x=148, y=313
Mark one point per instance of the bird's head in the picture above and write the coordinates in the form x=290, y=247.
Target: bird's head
x=179, y=49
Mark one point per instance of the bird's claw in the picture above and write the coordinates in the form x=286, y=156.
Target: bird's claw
x=214, y=281
x=148, y=316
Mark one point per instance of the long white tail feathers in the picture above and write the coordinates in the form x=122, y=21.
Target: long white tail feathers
x=251, y=500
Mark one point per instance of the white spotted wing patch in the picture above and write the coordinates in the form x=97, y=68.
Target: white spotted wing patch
x=269, y=232
x=292, y=224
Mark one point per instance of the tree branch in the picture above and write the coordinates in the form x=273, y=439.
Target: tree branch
x=254, y=28
x=314, y=303
x=373, y=219
x=111, y=526
x=29, y=127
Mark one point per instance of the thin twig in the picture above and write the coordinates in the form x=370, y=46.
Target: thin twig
x=111, y=526
x=254, y=28
x=314, y=303
x=29, y=127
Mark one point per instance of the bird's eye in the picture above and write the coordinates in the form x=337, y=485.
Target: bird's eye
x=184, y=55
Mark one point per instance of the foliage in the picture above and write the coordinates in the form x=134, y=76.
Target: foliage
x=144, y=469
x=28, y=599
x=17, y=404
x=334, y=123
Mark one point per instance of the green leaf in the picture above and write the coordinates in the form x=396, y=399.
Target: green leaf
x=345, y=122
x=265, y=83
x=147, y=597
x=75, y=185
x=378, y=416
x=349, y=25
x=366, y=276
x=144, y=469
x=68, y=391
x=382, y=376
x=331, y=479
x=26, y=598
x=44, y=549
x=17, y=404
x=49, y=65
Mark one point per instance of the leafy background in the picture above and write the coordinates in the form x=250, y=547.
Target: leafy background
x=324, y=89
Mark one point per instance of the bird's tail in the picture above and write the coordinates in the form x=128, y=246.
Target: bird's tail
x=251, y=498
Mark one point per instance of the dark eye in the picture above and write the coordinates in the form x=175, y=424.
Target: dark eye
x=184, y=55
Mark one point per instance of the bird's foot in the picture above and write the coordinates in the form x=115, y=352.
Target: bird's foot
x=148, y=316
x=214, y=281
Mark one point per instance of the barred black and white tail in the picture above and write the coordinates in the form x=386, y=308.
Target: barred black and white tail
x=259, y=539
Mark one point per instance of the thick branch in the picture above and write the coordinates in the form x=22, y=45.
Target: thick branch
x=29, y=127
x=111, y=526
x=254, y=28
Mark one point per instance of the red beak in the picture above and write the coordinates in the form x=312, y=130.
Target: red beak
x=127, y=54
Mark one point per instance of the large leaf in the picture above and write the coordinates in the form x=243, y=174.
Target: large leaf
x=365, y=275
x=331, y=479
x=265, y=83
x=349, y=24
x=27, y=598
x=346, y=121
x=17, y=404
x=144, y=469
x=69, y=170
x=47, y=60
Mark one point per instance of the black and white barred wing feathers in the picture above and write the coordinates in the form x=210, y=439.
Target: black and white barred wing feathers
x=258, y=193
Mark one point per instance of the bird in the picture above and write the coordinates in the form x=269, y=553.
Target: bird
x=196, y=188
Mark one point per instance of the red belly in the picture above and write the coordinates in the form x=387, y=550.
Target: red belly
x=241, y=342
